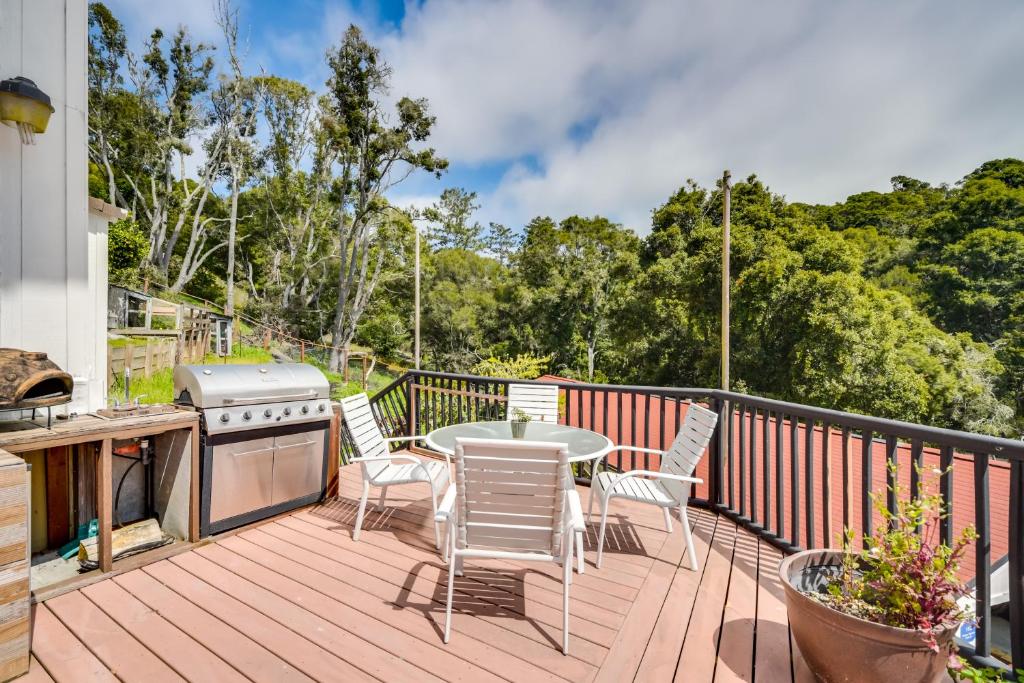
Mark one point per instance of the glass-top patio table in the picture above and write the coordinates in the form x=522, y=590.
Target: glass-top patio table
x=584, y=445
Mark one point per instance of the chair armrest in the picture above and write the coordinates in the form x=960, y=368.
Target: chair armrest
x=391, y=456
x=638, y=449
x=401, y=439
x=647, y=473
x=447, y=506
x=396, y=439
x=575, y=511
x=405, y=457
x=659, y=475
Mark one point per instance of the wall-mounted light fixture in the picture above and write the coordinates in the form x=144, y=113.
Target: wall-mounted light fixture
x=24, y=106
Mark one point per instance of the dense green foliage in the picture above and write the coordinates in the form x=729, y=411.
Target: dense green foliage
x=906, y=304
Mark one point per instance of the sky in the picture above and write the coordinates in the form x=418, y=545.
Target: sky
x=556, y=107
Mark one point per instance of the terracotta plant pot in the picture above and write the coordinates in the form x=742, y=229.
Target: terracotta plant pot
x=518, y=429
x=840, y=647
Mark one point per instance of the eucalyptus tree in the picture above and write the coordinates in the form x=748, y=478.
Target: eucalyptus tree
x=235, y=110
x=288, y=256
x=107, y=50
x=373, y=152
x=170, y=82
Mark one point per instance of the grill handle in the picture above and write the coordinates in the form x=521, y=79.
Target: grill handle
x=268, y=399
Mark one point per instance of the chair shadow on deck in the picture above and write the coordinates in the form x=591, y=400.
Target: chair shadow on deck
x=620, y=537
x=342, y=511
x=482, y=591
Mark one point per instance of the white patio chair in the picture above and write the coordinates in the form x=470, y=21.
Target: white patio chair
x=383, y=468
x=511, y=500
x=539, y=401
x=667, y=488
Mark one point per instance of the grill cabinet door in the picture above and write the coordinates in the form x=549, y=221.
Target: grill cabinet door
x=298, y=465
x=243, y=474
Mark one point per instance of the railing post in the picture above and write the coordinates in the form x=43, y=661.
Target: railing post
x=724, y=443
x=410, y=405
x=713, y=455
x=1017, y=562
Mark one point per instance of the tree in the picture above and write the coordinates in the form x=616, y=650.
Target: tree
x=235, y=109
x=460, y=308
x=373, y=154
x=107, y=50
x=975, y=285
x=450, y=224
x=575, y=271
x=169, y=83
x=501, y=242
x=290, y=242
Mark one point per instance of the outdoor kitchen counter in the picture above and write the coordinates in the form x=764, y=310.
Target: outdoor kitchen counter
x=28, y=435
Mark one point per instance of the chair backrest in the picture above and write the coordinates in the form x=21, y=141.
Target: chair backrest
x=688, y=448
x=510, y=495
x=539, y=401
x=365, y=433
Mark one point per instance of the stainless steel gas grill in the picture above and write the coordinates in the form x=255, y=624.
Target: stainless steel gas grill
x=264, y=438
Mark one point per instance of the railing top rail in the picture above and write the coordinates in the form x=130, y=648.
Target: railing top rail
x=965, y=441
x=681, y=392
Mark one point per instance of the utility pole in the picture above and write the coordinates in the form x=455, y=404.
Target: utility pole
x=416, y=301
x=726, y=200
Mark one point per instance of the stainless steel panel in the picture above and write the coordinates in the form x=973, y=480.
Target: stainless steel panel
x=243, y=475
x=214, y=386
x=298, y=465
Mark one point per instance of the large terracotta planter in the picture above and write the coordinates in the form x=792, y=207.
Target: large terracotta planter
x=839, y=647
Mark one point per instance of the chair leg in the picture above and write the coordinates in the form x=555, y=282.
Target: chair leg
x=362, y=509
x=600, y=535
x=668, y=520
x=383, y=495
x=594, y=471
x=691, y=552
x=579, y=552
x=433, y=517
x=451, y=590
x=446, y=544
x=566, y=582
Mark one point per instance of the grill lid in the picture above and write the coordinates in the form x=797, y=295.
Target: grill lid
x=215, y=386
x=28, y=379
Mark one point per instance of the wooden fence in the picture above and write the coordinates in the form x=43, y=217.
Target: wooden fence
x=146, y=359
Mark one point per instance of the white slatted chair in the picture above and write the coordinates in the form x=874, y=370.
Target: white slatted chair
x=383, y=468
x=539, y=401
x=669, y=487
x=511, y=500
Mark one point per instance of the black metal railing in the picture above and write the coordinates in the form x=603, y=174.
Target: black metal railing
x=796, y=475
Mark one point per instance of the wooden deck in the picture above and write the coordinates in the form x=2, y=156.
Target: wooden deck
x=296, y=599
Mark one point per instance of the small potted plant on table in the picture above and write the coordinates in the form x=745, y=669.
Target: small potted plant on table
x=888, y=612
x=519, y=421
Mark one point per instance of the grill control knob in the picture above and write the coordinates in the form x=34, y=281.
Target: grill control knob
x=224, y=417
x=287, y=412
x=305, y=409
x=247, y=415
x=268, y=412
x=320, y=408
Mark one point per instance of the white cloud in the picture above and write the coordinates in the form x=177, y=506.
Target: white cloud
x=142, y=17
x=820, y=99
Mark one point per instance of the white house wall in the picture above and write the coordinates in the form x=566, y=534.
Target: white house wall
x=52, y=256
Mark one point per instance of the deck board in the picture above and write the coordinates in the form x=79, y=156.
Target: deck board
x=662, y=652
x=297, y=599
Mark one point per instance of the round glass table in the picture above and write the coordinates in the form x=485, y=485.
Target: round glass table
x=584, y=445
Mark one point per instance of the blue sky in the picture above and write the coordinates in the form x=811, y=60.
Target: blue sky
x=557, y=107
